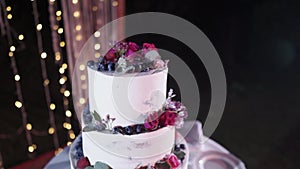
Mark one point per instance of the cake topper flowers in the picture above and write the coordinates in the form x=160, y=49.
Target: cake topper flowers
x=128, y=57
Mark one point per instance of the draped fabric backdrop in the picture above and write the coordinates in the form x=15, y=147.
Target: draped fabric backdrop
x=44, y=38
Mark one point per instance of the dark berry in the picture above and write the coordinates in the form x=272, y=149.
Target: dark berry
x=111, y=66
x=102, y=67
x=182, y=146
x=119, y=129
x=177, y=147
x=139, y=128
x=128, y=130
x=82, y=163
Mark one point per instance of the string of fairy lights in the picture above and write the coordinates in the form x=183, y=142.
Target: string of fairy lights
x=58, y=44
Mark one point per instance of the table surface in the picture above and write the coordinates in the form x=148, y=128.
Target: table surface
x=204, y=152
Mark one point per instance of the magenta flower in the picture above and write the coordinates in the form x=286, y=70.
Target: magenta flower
x=132, y=47
x=147, y=47
x=82, y=163
x=167, y=118
x=152, y=121
x=173, y=161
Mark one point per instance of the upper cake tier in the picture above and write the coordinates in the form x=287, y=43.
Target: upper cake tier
x=127, y=83
x=127, y=98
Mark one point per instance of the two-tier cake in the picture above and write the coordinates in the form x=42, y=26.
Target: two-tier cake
x=131, y=121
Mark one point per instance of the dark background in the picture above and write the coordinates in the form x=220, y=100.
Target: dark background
x=258, y=43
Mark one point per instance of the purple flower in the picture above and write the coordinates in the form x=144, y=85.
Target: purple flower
x=173, y=161
x=167, y=118
x=152, y=121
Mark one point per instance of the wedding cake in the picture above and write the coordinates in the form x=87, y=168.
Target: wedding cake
x=131, y=120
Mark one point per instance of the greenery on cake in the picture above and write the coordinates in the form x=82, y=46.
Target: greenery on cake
x=172, y=113
x=128, y=57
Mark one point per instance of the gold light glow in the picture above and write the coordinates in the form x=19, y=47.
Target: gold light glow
x=18, y=104
x=97, y=34
x=69, y=143
x=28, y=126
x=62, y=44
x=51, y=130
x=67, y=125
x=58, y=13
x=68, y=113
x=82, y=77
x=76, y=14
x=52, y=106
x=74, y=1
x=21, y=37
x=17, y=77
x=64, y=66
x=43, y=55
x=39, y=27
x=81, y=67
x=97, y=46
x=78, y=37
x=81, y=100
x=61, y=70
x=12, y=48
x=115, y=3
x=8, y=8
x=78, y=27
x=46, y=82
x=67, y=93
x=9, y=16
x=30, y=149
x=10, y=54
x=62, y=81
x=60, y=30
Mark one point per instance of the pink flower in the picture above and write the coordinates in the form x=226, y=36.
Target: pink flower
x=173, y=161
x=152, y=121
x=167, y=118
x=147, y=47
x=82, y=163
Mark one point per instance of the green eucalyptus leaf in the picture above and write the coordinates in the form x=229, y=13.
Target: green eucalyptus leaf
x=99, y=165
x=88, y=128
x=96, y=116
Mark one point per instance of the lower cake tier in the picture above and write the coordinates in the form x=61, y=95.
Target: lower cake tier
x=128, y=151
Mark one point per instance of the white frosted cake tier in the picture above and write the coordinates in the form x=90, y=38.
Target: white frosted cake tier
x=128, y=151
x=124, y=97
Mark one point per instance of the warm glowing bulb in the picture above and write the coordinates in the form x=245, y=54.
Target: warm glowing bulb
x=62, y=81
x=76, y=14
x=78, y=37
x=30, y=149
x=78, y=27
x=67, y=93
x=12, y=48
x=39, y=27
x=18, y=104
x=28, y=126
x=82, y=77
x=115, y=3
x=82, y=67
x=9, y=16
x=10, y=54
x=51, y=130
x=52, y=0
x=62, y=44
x=43, y=55
x=21, y=37
x=60, y=30
x=8, y=8
x=46, y=82
x=72, y=136
x=97, y=46
x=61, y=70
x=97, y=34
x=68, y=113
x=52, y=106
x=58, y=18
x=58, y=13
x=95, y=8
x=81, y=100
x=67, y=125
x=74, y=1
x=69, y=143
x=17, y=77
x=97, y=55
x=64, y=66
